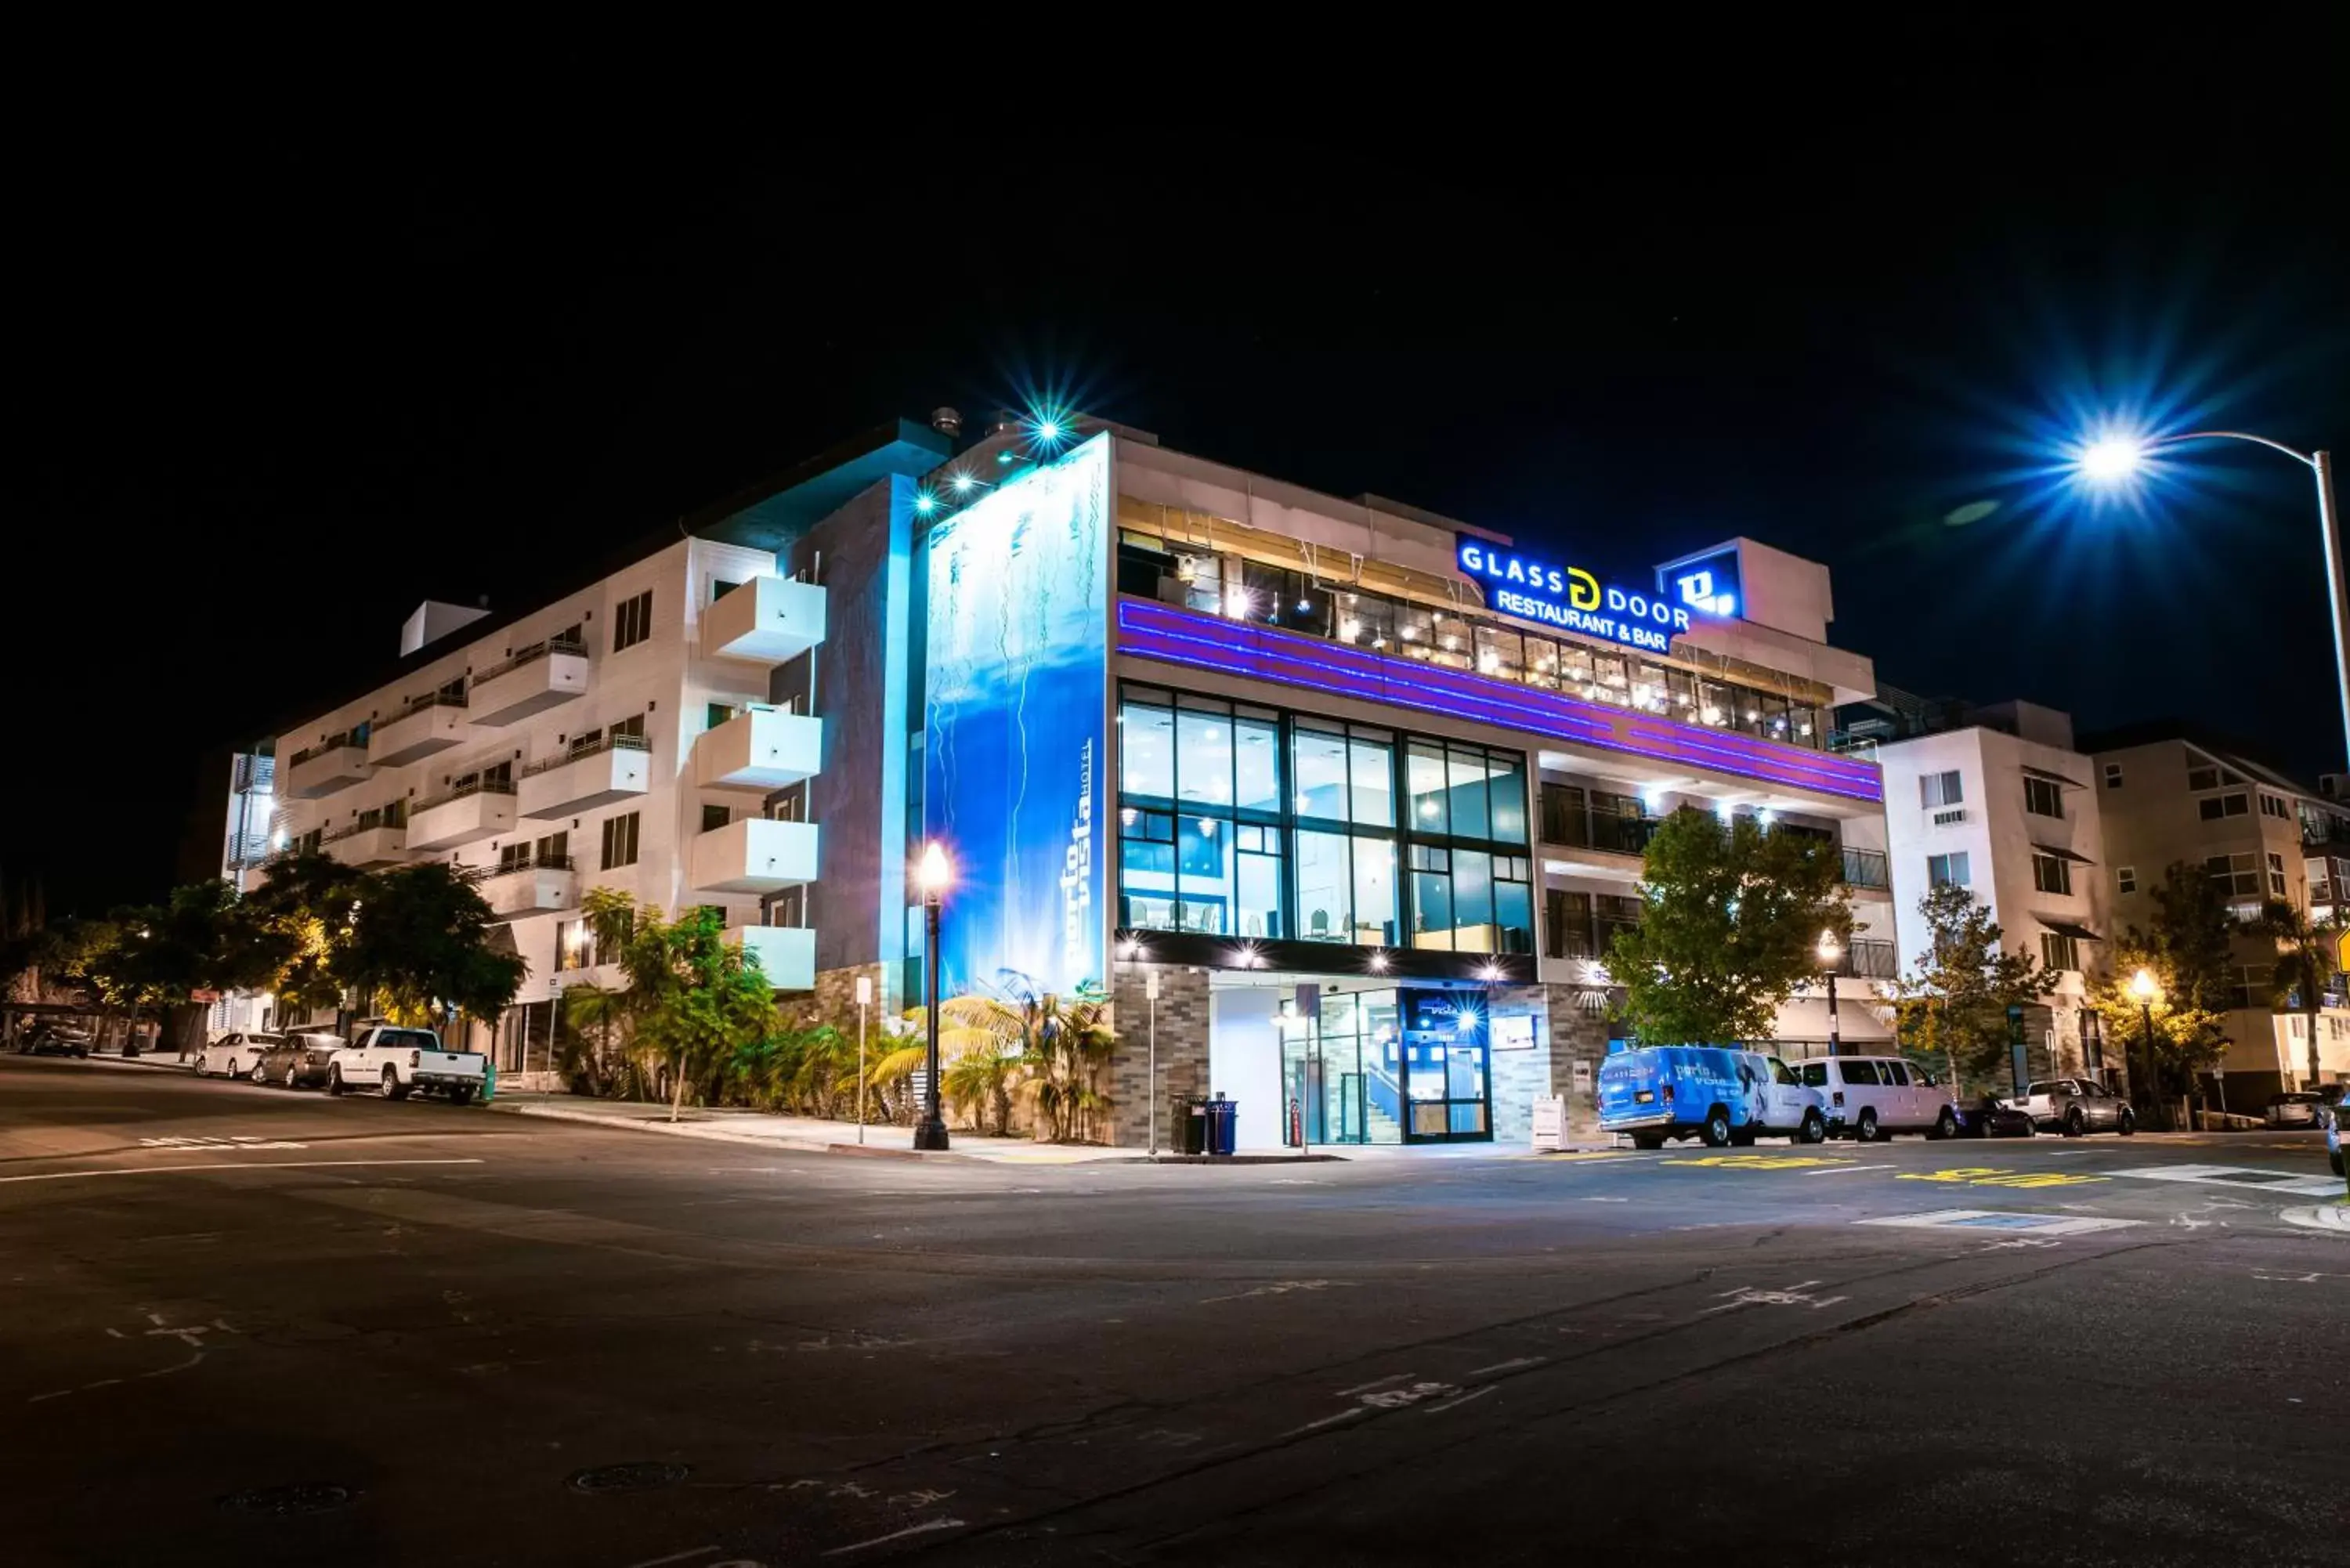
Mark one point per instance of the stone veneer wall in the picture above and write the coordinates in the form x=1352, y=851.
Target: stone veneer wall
x=835, y=995
x=1577, y=1034
x=1183, y=1024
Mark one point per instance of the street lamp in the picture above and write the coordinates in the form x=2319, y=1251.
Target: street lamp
x=2143, y=988
x=930, y=1132
x=1831, y=953
x=2114, y=459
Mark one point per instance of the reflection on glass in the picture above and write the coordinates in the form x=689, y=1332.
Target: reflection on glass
x=1257, y=757
x=1323, y=880
x=1257, y=866
x=1472, y=901
x=1509, y=792
x=1375, y=893
x=1372, y=770
x=1467, y=780
x=1424, y=778
x=1147, y=742
x=1318, y=766
x=1203, y=756
x=1203, y=855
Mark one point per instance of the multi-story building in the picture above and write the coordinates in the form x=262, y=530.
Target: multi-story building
x=2168, y=795
x=1996, y=800
x=1338, y=803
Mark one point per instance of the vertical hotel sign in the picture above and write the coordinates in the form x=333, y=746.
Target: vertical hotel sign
x=1016, y=700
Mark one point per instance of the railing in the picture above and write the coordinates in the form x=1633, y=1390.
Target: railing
x=254, y=773
x=536, y=650
x=2331, y=835
x=1571, y=821
x=588, y=748
x=354, y=737
x=430, y=699
x=536, y=863
x=1869, y=961
x=368, y=822
x=470, y=786
x=1867, y=869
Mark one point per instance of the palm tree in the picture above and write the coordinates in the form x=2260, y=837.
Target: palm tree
x=2304, y=966
x=605, y=1011
x=1067, y=1045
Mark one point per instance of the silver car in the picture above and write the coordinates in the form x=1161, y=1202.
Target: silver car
x=2076, y=1105
x=2294, y=1108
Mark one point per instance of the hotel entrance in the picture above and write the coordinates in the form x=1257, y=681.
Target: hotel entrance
x=1395, y=1064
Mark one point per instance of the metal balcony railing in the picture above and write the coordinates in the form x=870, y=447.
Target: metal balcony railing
x=355, y=736
x=523, y=656
x=368, y=822
x=588, y=748
x=460, y=791
x=1867, y=869
x=1569, y=820
x=430, y=699
x=536, y=863
x=1869, y=960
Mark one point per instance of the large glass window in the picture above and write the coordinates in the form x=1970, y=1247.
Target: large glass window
x=1431, y=897
x=1256, y=761
x=1146, y=740
x=1466, y=772
x=1203, y=752
x=1318, y=766
x=1203, y=866
x=1256, y=880
x=1324, y=886
x=1371, y=770
x=1424, y=774
x=1375, y=893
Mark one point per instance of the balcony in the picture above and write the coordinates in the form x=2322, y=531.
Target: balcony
x=472, y=811
x=534, y=680
x=432, y=723
x=602, y=771
x=1869, y=960
x=545, y=886
x=368, y=845
x=764, y=622
x=754, y=855
x=1867, y=869
x=762, y=748
x=786, y=954
x=335, y=763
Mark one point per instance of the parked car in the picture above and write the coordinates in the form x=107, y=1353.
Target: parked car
x=2074, y=1106
x=235, y=1054
x=1990, y=1116
x=2294, y=1108
x=1723, y=1095
x=400, y=1061
x=2335, y=1115
x=300, y=1059
x=51, y=1039
x=1873, y=1097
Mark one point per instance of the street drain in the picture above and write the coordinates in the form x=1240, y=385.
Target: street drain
x=647, y=1475
x=288, y=1501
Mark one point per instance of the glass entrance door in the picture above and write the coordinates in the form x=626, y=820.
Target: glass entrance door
x=1447, y=1068
x=1341, y=1072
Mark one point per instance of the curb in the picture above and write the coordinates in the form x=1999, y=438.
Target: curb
x=1220, y=1159
x=715, y=1135
x=2335, y=1216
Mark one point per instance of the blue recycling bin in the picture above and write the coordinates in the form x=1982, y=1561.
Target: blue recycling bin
x=1224, y=1125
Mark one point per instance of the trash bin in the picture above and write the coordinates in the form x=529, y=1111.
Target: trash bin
x=1223, y=1122
x=1195, y=1126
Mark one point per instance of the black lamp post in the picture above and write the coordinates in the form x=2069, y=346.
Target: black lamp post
x=1831, y=952
x=2142, y=987
x=930, y=1132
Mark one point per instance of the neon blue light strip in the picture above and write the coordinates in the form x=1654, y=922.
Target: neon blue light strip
x=1210, y=642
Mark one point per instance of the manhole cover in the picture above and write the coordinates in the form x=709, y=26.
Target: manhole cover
x=286, y=1501
x=646, y=1475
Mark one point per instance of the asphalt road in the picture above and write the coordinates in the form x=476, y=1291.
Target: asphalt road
x=250, y=1326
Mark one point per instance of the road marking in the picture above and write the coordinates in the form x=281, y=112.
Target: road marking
x=227, y=1145
x=2242, y=1178
x=1998, y=1176
x=1327, y=1421
x=1758, y=1161
x=1793, y=1295
x=2335, y=1216
x=1847, y=1170
x=925, y=1528
x=2001, y=1220
x=1510, y=1365
x=675, y=1557
x=232, y=1165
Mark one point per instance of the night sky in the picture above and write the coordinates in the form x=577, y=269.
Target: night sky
x=279, y=381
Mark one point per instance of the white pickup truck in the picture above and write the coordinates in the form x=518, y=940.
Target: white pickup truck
x=400, y=1061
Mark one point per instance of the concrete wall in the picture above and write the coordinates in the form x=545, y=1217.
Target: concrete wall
x=1184, y=1015
x=1245, y=1062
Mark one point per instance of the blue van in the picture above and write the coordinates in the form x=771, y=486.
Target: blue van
x=1718, y=1092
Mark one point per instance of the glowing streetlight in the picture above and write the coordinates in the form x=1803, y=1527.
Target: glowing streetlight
x=2116, y=457
x=2144, y=989
x=1831, y=954
x=930, y=1132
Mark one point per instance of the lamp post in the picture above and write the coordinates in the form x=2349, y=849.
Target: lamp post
x=864, y=1001
x=2142, y=987
x=1150, y=994
x=1831, y=953
x=2116, y=458
x=930, y=1132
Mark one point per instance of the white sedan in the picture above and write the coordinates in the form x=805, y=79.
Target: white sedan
x=233, y=1054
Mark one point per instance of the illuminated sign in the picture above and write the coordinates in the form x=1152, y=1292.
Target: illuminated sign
x=1572, y=598
x=1016, y=666
x=1707, y=585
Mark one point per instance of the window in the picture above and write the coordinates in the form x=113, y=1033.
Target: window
x=2276, y=877
x=513, y=857
x=633, y=622
x=574, y=945
x=2238, y=874
x=1947, y=870
x=2274, y=806
x=1941, y=789
x=2059, y=952
x=554, y=850
x=791, y=805
x=2113, y=776
x=716, y=713
x=2125, y=879
x=2249, y=985
x=1860, y=1075
x=2213, y=808
x=715, y=817
x=2043, y=797
x=631, y=728
x=619, y=841
x=2052, y=874
x=720, y=587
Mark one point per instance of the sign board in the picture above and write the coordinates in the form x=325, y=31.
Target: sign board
x=1582, y=1076
x=1550, y=1122
x=1707, y=585
x=1572, y=598
x=1513, y=1031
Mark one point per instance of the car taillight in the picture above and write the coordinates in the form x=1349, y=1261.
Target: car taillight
x=415, y=1059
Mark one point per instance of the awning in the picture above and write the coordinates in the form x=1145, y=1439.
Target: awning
x=2053, y=778
x=2066, y=929
x=2062, y=853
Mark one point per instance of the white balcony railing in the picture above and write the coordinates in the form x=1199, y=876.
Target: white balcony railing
x=548, y=887
x=754, y=855
x=786, y=954
x=432, y=723
x=466, y=814
x=762, y=748
x=604, y=772
x=765, y=620
x=334, y=764
x=367, y=848
x=533, y=679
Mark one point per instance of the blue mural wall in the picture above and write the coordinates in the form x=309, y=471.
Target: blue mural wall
x=1015, y=697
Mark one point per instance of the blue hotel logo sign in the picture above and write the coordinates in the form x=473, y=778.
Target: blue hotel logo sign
x=1571, y=597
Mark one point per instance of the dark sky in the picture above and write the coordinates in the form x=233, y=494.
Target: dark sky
x=280, y=377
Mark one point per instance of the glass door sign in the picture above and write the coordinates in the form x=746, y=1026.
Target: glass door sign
x=1571, y=597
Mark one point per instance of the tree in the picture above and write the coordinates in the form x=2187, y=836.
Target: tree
x=605, y=1012
x=1956, y=1005
x=309, y=900
x=420, y=942
x=693, y=997
x=2186, y=948
x=2304, y=966
x=1732, y=918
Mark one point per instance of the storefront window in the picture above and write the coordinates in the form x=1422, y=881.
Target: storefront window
x=1325, y=880
x=1256, y=761
x=1542, y=663
x=1467, y=774
x=1318, y=764
x=1371, y=769
x=1509, y=797
x=1256, y=857
x=1500, y=654
x=1147, y=744
x=1375, y=893
x=1203, y=752
x=1424, y=776
x=1431, y=897
x=1146, y=862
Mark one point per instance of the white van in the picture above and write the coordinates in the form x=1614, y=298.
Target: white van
x=1873, y=1097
